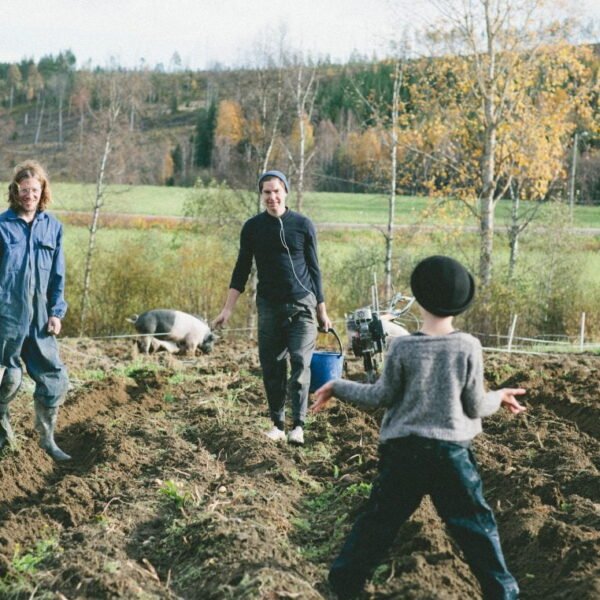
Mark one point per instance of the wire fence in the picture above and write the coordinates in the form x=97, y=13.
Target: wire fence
x=545, y=343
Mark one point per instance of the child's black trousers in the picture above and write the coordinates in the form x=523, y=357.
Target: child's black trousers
x=409, y=468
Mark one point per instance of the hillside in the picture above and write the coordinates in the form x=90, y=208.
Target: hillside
x=174, y=493
x=170, y=128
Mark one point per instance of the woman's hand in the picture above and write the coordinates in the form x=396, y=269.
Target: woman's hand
x=54, y=325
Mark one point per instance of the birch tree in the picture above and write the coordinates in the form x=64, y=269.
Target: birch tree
x=486, y=53
x=533, y=150
x=15, y=81
x=109, y=117
x=264, y=103
x=58, y=84
x=383, y=138
x=302, y=80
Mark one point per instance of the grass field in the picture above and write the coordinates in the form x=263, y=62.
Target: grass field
x=322, y=207
x=140, y=264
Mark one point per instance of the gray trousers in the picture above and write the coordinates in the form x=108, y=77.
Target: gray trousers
x=292, y=327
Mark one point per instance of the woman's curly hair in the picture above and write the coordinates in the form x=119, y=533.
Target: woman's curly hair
x=26, y=170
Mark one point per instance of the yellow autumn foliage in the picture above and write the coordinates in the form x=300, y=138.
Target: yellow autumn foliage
x=230, y=122
x=309, y=134
x=365, y=151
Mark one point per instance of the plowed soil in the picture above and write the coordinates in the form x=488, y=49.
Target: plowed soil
x=173, y=491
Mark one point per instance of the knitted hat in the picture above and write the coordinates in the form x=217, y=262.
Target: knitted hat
x=442, y=286
x=277, y=174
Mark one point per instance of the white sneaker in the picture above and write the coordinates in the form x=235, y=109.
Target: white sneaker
x=275, y=434
x=296, y=436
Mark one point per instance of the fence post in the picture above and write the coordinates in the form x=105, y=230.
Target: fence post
x=511, y=333
x=582, y=332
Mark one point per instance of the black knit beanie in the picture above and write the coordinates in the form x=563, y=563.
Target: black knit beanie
x=442, y=286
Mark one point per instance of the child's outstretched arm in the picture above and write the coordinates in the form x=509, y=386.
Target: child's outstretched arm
x=509, y=401
x=322, y=396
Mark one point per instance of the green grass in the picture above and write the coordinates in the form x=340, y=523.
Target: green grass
x=139, y=199
x=322, y=207
x=326, y=207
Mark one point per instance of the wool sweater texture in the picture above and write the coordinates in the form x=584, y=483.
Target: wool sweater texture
x=431, y=386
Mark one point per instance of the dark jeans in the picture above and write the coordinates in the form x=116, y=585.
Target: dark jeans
x=292, y=327
x=409, y=468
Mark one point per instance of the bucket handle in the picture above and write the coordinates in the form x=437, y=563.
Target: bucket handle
x=337, y=337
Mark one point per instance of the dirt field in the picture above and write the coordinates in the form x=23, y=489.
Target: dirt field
x=173, y=491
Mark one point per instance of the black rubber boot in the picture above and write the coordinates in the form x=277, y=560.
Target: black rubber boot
x=45, y=422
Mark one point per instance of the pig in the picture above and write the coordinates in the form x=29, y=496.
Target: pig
x=173, y=331
x=390, y=328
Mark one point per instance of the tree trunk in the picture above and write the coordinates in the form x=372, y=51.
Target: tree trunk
x=513, y=234
x=87, y=277
x=300, y=179
x=252, y=316
x=389, y=245
x=81, y=126
x=274, y=129
x=486, y=241
x=253, y=284
x=301, y=128
x=112, y=115
x=305, y=97
x=488, y=174
x=38, y=128
x=60, y=118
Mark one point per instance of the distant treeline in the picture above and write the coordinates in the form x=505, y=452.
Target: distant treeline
x=328, y=125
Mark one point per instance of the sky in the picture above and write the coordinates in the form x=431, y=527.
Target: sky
x=205, y=33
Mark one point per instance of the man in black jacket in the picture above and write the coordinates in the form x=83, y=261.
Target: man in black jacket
x=290, y=300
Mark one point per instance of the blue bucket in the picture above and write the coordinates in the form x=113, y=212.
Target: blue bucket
x=326, y=365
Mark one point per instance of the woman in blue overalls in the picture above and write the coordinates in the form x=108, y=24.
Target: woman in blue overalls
x=32, y=304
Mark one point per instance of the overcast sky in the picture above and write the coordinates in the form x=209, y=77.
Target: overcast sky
x=206, y=32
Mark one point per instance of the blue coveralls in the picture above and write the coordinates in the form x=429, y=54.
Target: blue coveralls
x=32, y=282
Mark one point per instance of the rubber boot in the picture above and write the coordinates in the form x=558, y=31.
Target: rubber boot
x=45, y=422
x=6, y=432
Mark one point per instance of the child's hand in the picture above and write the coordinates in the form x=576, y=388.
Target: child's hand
x=507, y=398
x=322, y=396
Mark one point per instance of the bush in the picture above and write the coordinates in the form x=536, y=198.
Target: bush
x=146, y=272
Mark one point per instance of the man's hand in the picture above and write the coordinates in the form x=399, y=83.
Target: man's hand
x=54, y=325
x=221, y=319
x=223, y=316
x=323, y=318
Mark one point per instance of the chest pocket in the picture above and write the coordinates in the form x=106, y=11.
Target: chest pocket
x=45, y=254
x=14, y=250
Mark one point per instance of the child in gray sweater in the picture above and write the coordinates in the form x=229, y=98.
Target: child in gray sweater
x=432, y=389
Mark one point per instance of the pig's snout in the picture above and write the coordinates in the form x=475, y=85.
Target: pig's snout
x=208, y=344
